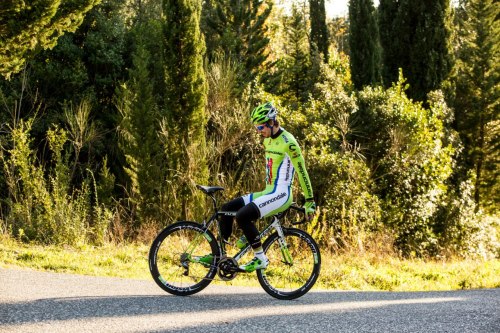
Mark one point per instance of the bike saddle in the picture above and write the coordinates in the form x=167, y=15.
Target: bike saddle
x=209, y=189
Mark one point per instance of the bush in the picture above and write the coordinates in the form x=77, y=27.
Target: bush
x=411, y=159
x=341, y=180
x=462, y=230
x=41, y=205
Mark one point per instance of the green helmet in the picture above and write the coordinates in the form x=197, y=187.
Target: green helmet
x=263, y=113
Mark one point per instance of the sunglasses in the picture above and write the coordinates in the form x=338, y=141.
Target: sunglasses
x=260, y=127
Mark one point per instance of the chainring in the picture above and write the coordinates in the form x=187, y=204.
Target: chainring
x=227, y=268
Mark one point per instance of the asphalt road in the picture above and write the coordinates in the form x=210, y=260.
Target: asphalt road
x=48, y=302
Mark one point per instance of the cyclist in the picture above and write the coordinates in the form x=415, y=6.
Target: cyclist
x=283, y=157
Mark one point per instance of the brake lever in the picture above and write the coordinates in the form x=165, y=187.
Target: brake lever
x=300, y=210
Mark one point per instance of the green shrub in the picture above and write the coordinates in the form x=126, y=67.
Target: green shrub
x=410, y=159
x=342, y=183
x=42, y=205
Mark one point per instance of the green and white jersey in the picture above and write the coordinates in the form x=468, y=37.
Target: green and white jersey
x=283, y=157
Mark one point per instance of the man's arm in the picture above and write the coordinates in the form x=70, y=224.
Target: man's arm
x=299, y=164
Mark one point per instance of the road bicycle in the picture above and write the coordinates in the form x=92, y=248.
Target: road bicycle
x=177, y=258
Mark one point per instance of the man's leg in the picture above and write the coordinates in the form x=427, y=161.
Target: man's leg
x=259, y=205
x=246, y=218
x=226, y=224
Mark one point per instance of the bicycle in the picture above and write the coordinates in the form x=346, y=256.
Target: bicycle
x=175, y=257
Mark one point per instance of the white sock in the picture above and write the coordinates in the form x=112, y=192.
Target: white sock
x=260, y=255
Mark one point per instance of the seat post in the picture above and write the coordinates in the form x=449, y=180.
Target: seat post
x=214, y=201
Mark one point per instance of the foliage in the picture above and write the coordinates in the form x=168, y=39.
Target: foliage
x=290, y=75
x=409, y=160
x=140, y=12
x=476, y=98
x=338, y=30
x=393, y=49
x=139, y=141
x=233, y=147
x=130, y=115
x=27, y=28
x=365, y=58
x=417, y=42
x=237, y=30
x=461, y=230
x=184, y=125
x=85, y=65
x=82, y=132
x=44, y=208
x=319, y=31
x=104, y=48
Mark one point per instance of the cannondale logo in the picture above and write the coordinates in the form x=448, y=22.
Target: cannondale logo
x=279, y=196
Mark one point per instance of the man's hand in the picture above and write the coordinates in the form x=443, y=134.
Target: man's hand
x=310, y=208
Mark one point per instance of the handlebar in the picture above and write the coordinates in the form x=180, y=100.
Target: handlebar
x=300, y=210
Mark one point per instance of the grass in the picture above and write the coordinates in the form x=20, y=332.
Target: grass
x=128, y=261
x=342, y=272
x=369, y=272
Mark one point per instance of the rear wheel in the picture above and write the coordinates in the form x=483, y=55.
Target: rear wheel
x=294, y=264
x=175, y=258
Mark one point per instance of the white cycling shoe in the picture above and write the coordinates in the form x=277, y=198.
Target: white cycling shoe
x=255, y=264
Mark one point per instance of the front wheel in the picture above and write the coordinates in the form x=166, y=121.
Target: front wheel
x=178, y=258
x=294, y=264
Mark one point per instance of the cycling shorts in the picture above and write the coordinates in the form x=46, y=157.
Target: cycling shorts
x=270, y=201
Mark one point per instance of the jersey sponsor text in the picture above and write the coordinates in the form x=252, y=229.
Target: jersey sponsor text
x=279, y=196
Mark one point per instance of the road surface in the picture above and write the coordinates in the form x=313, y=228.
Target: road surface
x=33, y=301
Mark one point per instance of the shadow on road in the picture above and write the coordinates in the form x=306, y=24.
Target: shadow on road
x=356, y=304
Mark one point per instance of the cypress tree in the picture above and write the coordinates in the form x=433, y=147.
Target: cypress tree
x=420, y=42
x=185, y=96
x=431, y=55
x=477, y=97
x=392, y=53
x=139, y=138
x=365, y=59
x=29, y=26
x=297, y=79
x=319, y=30
x=237, y=30
x=289, y=74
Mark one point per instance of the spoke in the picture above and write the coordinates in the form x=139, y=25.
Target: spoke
x=291, y=266
x=174, y=264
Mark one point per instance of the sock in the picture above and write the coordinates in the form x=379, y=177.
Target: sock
x=259, y=253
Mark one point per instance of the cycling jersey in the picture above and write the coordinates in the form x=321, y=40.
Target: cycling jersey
x=283, y=157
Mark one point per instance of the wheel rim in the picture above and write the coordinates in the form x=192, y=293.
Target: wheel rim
x=285, y=278
x=175, y=267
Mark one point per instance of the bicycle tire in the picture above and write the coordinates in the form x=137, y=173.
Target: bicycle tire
x=290, y=281
x=170, y=251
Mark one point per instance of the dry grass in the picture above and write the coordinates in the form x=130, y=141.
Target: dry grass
x=347, y=271
x=351, y=271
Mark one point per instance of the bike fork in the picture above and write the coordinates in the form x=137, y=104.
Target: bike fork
x=287, y=257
